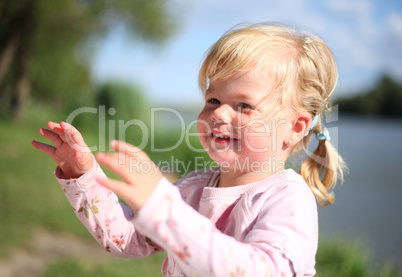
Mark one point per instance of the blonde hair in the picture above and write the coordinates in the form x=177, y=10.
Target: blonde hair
x=305, y=75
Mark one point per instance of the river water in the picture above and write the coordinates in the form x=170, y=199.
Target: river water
x=368, y=206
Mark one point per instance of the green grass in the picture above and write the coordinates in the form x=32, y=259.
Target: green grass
x=29, y=194
x=339, y=257
x=334, y=258
x=149, y=267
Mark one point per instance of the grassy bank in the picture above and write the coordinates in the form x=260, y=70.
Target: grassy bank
x=149, y=267
x=29, y=196
x=334, y=259
x=344, y=258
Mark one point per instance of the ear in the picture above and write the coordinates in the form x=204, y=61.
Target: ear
x=300, y=124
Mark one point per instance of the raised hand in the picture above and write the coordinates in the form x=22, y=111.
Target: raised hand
x=70, y=151
x=138, y=173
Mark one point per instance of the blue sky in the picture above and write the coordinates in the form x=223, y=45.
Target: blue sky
x=365, y=36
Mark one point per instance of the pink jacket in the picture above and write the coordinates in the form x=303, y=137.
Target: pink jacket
x=266, y=228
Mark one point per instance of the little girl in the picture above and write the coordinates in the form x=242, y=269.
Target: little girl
x=265, y=87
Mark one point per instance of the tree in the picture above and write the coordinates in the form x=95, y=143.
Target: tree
x=42, y=43
x=385, y=99
x=129, y=108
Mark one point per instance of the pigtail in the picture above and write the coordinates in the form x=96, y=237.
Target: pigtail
x=322, y=170
x=305, y=76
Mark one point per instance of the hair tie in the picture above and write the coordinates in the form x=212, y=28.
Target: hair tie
x=313, y=123
x=324, y=135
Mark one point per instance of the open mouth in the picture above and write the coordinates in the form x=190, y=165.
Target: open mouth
x=221, y=138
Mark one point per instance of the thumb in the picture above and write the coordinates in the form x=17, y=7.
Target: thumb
x=84, y=161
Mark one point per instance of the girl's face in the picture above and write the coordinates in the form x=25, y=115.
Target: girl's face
x=236, y=126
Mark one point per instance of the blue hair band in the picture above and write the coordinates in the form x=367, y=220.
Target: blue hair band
x=313, y=123
x=324, y=135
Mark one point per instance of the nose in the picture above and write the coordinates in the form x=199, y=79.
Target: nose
x=223, y=113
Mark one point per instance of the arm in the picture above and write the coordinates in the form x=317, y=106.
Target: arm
x=107, y=219
x=192, y=239
x=202, y=250
x=98, y=208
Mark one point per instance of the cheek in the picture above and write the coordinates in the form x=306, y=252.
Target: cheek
x=242, y=120
x=204, y=116
x=202, y=123
x=256, y=143
x=203, y=128
x=261, y=139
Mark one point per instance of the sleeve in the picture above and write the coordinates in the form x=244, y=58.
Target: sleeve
x=199, y=247
x=108, y=220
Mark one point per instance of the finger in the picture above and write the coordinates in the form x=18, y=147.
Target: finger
x=129, y=149
x=66, y=131
x=138, y=161
x=45, y=148
x=51, y=135
x=72, y=134
x=74, y=138
x=83, y=161
x=55, y=127
x=118, y=163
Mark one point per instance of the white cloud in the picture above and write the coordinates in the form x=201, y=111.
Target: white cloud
x=394, y=24
x=347, y=6
x=352, y=50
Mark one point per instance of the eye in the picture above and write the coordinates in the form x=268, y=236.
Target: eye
x=243, y=106
x=214, y=101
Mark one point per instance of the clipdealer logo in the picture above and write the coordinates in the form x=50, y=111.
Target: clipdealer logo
x=148, y=135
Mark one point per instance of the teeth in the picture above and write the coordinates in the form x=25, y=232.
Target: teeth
x=221, y=136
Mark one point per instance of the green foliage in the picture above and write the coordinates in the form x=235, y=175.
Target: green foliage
x=128, y=101
x=127, y=111
x=56, y=73
x=339, y=257
x=150, y=20
x=46, y=46
x=384, y=100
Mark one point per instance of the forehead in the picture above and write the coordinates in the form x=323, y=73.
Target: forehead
x=248, y=84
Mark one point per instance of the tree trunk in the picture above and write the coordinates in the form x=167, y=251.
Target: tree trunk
x=8, y=56
x=22, y=91
x=22, y=86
